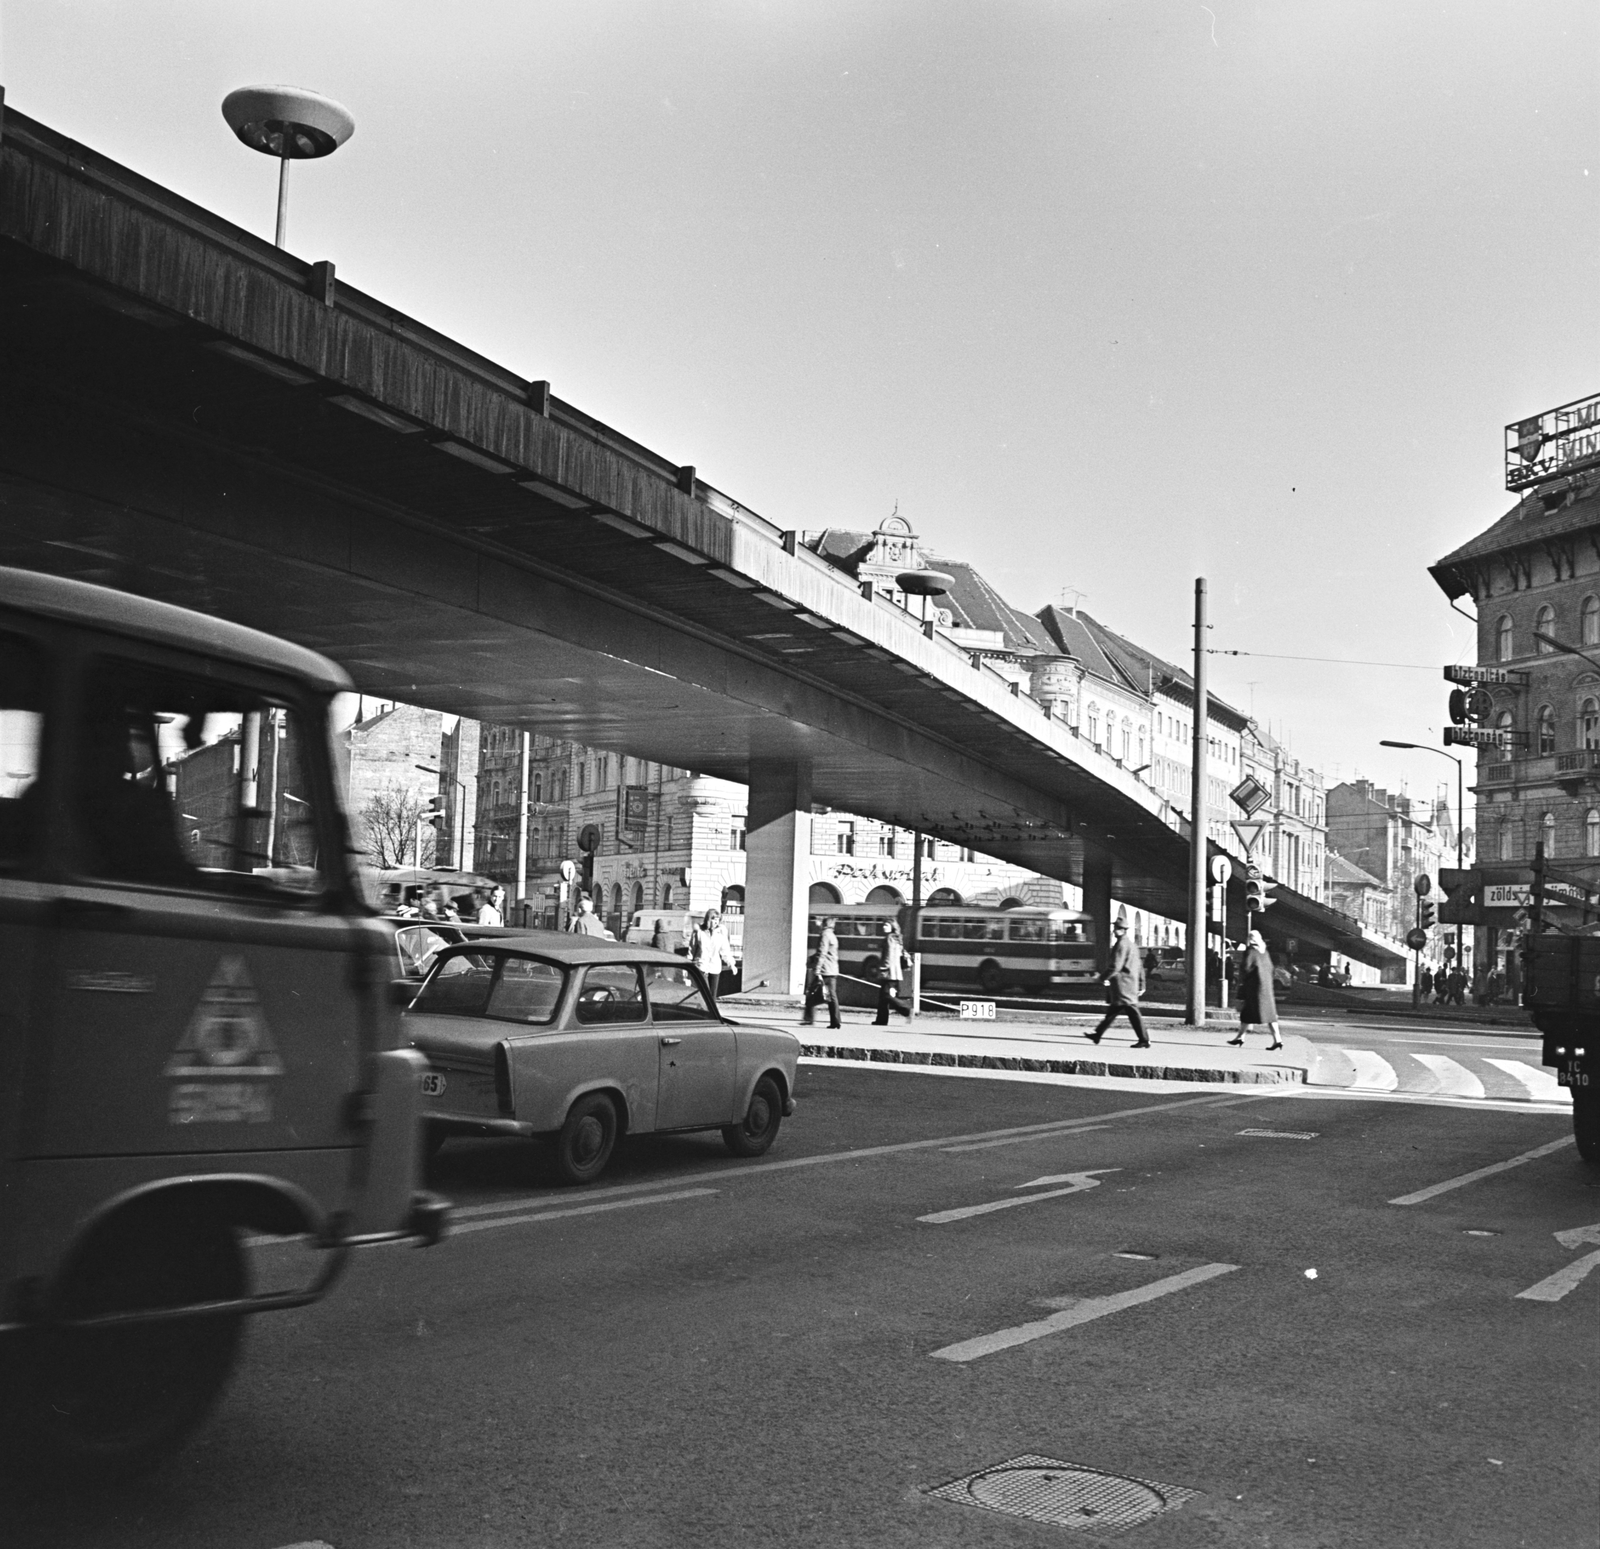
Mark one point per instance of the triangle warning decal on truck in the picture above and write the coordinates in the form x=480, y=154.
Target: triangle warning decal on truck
x=228, y=1033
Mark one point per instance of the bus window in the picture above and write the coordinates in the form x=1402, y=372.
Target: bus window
x=21, y=722
x=983, y=930
x=1027, y=930
x=947, y=930
x=1067, y=930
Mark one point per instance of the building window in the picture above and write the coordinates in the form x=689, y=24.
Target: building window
x=1547, y=729
x=1505, y=840
x=538, y=788
x=1094, y=724
x=1544, y=623
x=1505, y=721
x=671, y=825
x=1127, y=739
x=846, y=839
x=1547, y=831
x=1589, y=724
x=1591, y=833
x=736, y=834
x=1589, y=621
x=1502, y=638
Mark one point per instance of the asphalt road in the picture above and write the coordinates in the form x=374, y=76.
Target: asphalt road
x=785, y=1352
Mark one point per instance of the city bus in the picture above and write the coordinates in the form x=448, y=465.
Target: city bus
x=1030, y=950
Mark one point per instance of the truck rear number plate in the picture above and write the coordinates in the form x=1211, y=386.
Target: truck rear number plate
x=433, y=1084
x=1572, y=1078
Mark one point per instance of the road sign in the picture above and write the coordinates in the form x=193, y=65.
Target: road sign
x=1416, y=938
x=1251, y=795
x=1422, y=884
x=568, y=871
x=1221, y=868
x=1248, y=834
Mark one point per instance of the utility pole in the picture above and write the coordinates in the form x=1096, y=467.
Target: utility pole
x=916, y=922
x=522, y=840
x=1197, y=820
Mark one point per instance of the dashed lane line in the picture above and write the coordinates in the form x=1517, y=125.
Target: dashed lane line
x=1482, y=1172
x=578, y=1210
x=1085, y=1311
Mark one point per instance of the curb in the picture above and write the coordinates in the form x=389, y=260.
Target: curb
x=1058, y=1067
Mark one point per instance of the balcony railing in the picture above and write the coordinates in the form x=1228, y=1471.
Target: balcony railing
x=1579, y=762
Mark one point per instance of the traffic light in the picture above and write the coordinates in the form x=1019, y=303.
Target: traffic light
x=1425, y=913
x=433, y=813
x=586, y=872
x=1256, y=897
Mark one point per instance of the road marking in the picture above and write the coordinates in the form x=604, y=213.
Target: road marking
x=1557, y=1285
x=1541, y=1084
x=1085, y=1311
x=1012, y=1140
x=1482, y=1172
x=578, y=1210
x=1012, y=1137
x=1450, y=1076
x=1373, y=1072
x=1280, y=1134
x=1079, y=1182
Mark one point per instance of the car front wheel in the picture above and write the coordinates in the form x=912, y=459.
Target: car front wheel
x=754, y=1134
x=587, y=1139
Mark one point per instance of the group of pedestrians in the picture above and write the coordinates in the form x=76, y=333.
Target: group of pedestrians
x=822, y=975
x=487, y=906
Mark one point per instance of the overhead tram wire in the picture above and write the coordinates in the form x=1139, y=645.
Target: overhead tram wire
x=1338, y=661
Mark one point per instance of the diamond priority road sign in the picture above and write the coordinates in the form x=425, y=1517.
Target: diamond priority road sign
x=1251, y=795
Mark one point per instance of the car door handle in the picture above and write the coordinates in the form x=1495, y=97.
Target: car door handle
x=670, y=1043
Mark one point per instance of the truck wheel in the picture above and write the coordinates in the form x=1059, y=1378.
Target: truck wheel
x=1586, y=1122
x=108, y=1402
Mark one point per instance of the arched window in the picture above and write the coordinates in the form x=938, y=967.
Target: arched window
x=666, y=895
x=1547, y=729
x=1547, y=832
x=733, y=900
x=1127, y=739
x=1505, y=721
x=538, y=787
x=494, y=796
x=638, y=896
x=1589, y=723
x=1589, y=621
x=1502, y=639
x=1094, y=724
x=616, y=898
x=1591, y=833
x=1544, y=623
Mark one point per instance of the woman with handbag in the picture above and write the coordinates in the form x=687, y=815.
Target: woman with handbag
x=1259, y=1004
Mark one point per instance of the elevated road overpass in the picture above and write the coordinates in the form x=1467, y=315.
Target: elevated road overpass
x=192, y=414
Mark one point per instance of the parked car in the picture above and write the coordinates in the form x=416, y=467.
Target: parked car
x=545, y=1034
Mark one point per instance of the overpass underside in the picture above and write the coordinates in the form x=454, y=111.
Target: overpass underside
x=191, y=414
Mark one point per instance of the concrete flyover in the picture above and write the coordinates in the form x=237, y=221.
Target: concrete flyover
x=192, y=414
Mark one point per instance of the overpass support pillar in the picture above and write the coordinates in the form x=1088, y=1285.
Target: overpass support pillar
x=1097, y=900
x=777, y=885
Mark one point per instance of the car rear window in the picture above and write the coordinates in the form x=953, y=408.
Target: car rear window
x=526, y=990
x=459, y=987
x=675, y=994
x=611, y=992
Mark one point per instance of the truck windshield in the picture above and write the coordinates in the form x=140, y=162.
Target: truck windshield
x=193, y=782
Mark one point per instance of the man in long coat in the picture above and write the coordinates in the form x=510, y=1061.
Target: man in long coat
x=823, y=982
x=1124, y=981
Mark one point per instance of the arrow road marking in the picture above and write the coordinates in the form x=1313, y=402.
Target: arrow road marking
x=1557, y=1285
x=1078, y=1181
x=1085, y=1311
x=1482, y=1172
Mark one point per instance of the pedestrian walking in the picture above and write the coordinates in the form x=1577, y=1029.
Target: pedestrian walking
x=1124, y=982
x=891, y=972
x=486, y=913
x=823, y=982
x=710, y=951
x=585, y=922
x=1258, y=1005
x=1427, y=982
x=658, y=937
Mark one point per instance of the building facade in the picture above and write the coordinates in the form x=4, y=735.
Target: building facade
x=1534, y=577
x=1292, y=848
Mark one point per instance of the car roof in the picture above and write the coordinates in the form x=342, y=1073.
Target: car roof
x=82, y=602
x=565, y=947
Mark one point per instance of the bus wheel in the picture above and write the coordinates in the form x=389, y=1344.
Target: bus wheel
x=1586, y=1122
x=989, y=976
x=102, y=1403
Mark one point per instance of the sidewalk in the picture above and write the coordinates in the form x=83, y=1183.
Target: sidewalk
x=1176, y=1053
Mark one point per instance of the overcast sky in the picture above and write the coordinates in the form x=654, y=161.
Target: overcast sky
x=1106, y=297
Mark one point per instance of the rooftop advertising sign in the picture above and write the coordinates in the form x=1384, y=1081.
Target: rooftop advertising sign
x=1553, y=444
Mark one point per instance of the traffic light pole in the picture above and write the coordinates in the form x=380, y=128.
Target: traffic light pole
x=1198, y=941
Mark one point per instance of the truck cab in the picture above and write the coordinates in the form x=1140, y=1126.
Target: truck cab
x=197, y=1041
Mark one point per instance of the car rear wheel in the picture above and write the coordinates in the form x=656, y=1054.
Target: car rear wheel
x=103, y=1403
x=587, y=1139
x=754, y=1134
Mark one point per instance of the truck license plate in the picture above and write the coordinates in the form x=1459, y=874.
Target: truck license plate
x=433, y=1084
x=1572, y=1078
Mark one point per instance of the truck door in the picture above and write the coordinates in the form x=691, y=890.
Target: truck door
x=198, y=994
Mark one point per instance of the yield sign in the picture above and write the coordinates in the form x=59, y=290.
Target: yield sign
x=1248, y=834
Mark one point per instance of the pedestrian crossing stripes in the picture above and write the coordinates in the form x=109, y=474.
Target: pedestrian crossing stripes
x=1460, y=1075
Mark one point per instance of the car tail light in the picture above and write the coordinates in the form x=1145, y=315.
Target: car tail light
x=502, y=1080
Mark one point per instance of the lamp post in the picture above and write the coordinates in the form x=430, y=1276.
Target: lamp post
x=290, y=123
x=1461, y=817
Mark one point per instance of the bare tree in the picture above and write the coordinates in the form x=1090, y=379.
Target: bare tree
x=387, y=828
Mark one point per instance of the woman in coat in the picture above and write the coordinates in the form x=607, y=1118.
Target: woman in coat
x=890, y=973
x=710, y=951
x=1258, y=1006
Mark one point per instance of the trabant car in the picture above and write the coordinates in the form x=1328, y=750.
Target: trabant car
x=555, y=1035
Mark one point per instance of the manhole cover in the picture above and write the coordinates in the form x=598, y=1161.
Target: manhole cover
x=1064, y=1494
